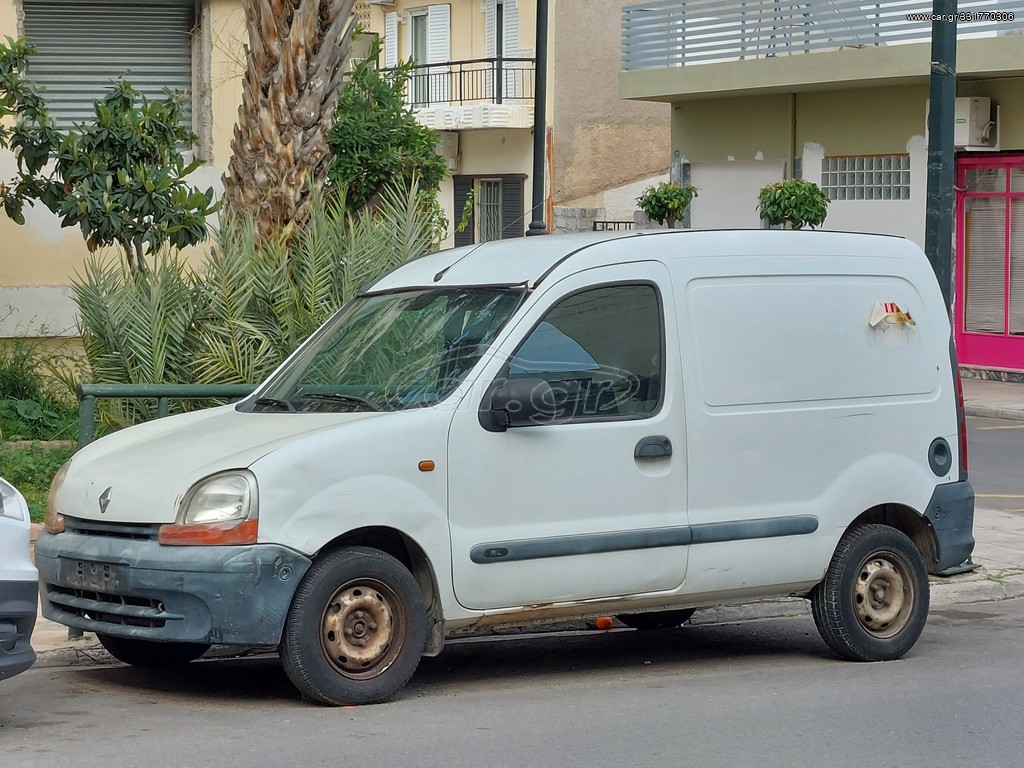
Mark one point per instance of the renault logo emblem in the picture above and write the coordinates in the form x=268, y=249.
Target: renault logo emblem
x=104, y=500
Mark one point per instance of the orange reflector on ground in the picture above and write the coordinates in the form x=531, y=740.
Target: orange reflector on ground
x=427, y=466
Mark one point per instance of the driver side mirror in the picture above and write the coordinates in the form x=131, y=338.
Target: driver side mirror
x=526, y=402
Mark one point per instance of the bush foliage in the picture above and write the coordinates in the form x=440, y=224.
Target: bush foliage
x=36, y=402
x=237, y=317
x=376, y=141
x=795, y=203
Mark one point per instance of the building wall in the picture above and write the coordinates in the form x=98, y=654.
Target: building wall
x=602, y=143
x=38, y=260
x=732, y=156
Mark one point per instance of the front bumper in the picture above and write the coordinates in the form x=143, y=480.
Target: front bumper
x=230, y=595
x=17, y=619
x=951, y=515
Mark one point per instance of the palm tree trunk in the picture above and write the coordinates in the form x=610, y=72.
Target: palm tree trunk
x=289, y=95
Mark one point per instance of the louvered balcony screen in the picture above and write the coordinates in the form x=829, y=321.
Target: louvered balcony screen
x=675, y=33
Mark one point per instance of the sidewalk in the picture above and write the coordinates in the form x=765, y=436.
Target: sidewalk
x=999, y=553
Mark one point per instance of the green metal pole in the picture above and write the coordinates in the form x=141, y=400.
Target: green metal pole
x=86, y=420
x=938, y=235
x=540, y=127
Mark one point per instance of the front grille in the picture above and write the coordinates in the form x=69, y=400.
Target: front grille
x=136, y=531
x=107, y=608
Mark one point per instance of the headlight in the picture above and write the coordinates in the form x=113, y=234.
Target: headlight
x=219, y=499
x=54, y=520
x=220, y=509
x=12, y=503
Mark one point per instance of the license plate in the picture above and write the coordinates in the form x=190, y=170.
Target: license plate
x=86, y=574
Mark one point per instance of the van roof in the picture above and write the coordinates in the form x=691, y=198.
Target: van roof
x=528, y=260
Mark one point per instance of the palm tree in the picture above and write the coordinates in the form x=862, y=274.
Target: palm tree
x=289, y=94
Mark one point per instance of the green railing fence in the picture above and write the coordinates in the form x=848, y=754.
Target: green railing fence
x=90, y=394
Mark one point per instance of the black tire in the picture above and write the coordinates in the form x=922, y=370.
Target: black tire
x=657, y=619
x=148, y=653
x=356, y=629
x=873, y=602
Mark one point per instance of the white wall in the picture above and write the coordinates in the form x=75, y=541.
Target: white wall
x=727, y=192
x=620, y=203
x=905, y=218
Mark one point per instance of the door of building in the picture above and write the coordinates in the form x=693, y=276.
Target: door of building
x=989, y=306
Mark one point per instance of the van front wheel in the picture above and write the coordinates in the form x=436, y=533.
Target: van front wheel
x=356, y=629
x=873, y=601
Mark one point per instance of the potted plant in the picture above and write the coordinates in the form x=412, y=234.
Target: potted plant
x=795, y=203
x=666, y=202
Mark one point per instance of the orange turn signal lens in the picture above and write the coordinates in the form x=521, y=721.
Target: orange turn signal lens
x=209, y=534
x=427, y=465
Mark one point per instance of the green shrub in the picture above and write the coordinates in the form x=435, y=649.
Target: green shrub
x=667, y=202
x=30, y=469
x=796, y=203
x=35, y=401
x=236, y=318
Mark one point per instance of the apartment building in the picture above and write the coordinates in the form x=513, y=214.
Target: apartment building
x=474, y=83
x=837, y=93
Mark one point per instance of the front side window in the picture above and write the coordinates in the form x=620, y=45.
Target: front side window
x=601, y=352
x=392, y=351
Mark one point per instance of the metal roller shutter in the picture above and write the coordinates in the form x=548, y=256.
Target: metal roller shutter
x=84, y=47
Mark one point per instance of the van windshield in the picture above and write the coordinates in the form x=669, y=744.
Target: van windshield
x=391, y=351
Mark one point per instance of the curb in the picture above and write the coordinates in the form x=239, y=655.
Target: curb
x=988, y=412
x=977, y=587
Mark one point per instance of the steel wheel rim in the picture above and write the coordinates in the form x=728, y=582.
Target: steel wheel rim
x=883, y=594
x=362, y=629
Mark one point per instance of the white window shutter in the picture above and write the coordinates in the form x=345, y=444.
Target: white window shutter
x=512, y=75
x=511, y=29
x=390, y=40
x=439, y=33
x=490, y=27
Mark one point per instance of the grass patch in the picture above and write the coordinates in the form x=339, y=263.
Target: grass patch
x=30, y=469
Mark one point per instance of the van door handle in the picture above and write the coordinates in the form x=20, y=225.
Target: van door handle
x=653, y=447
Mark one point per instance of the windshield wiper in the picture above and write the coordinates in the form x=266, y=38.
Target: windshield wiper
x=274, y=402
x=337, y=397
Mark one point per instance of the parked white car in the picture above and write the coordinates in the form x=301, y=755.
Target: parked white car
x=637, y=424
x=19, y=584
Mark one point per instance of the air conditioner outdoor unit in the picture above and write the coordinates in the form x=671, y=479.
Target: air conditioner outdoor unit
x=973, y=124
x=448, y=148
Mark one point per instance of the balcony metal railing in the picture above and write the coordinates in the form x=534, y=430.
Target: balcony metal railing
x=469, y=82
x=675, y=33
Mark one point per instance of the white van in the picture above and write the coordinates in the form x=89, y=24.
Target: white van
x=632, y=424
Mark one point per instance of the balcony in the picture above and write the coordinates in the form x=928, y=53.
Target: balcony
x=678, y=49
x=476, y=93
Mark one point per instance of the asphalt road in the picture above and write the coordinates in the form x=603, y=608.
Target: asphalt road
x=756, y=694
x=995, y=462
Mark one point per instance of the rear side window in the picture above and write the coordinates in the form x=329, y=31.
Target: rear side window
x=601, y=352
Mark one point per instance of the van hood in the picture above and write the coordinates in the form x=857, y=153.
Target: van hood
x=147, y=469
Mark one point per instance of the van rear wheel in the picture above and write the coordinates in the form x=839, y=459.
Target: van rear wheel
x=356, y=629
x=149, y=653
x=873, y=602
x=656, y=619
